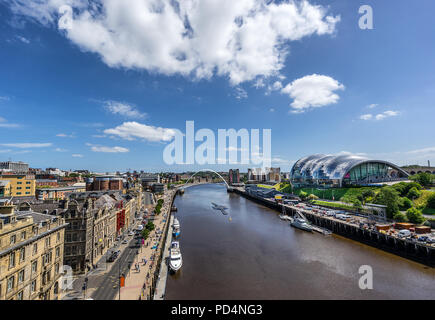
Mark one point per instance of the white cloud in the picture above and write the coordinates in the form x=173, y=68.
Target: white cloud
x=386, y=114
x=64, y=135
x=5, y=124
x=77, y=155
x=240, y=93
x=313, y=91
x=241, y=40
x=5, y=150
x=133, y=130
x=23, y=39
x=380, y=116
x=97, y=148
x=373, y=105
x=367, y=116
x=60, y=150
x=123, y=109
x=272, y=109
x=26, y=145
x=4, y=98
x=428, y=150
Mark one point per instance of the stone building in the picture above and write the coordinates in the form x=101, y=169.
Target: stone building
x=31, y=254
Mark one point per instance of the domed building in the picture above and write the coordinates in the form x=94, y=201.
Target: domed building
x=343, y=170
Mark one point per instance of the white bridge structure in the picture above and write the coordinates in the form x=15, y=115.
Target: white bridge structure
x=206, y=170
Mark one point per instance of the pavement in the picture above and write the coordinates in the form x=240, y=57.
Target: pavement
x=103, y=279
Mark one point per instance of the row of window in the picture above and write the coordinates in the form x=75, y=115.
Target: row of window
x=46, y=258
x=23, y=236
x=14, y=281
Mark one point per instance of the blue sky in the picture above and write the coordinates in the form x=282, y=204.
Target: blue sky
x=60, y=91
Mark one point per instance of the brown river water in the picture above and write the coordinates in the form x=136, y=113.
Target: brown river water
x=255, y=255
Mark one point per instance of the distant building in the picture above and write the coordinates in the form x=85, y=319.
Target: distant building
x=57, y=193
x=233, y=176
x=158, y=187
x=5, y=188
x=104, y=183
x=343, y=170
x=21, y=185
x=264, y=175
x=16, y=167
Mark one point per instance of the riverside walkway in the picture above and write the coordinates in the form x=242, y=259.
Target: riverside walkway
x=139, y=283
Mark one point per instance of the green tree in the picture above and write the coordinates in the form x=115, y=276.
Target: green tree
x=145, y=233
x=367, y=194
x=356, y=203
x=150, y=226
x=415, y=216
x=389, y=197
x=423, y=178
x=405, y=203
x=431, y=201
x=413, y=193
x=400, y=217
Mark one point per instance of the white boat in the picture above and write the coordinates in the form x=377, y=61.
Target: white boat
x=176, y=224
x=175, y=259
x=301, y=224
x=285, y=217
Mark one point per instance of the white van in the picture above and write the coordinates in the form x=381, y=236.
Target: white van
x=404, y=233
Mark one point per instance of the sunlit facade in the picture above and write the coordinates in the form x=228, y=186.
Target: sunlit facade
x=343, y=170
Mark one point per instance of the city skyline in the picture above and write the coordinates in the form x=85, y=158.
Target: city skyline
x=330, y=87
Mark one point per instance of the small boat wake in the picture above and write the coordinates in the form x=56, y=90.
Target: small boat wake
x=220, y=208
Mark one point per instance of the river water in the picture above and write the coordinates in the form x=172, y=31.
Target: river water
x=255, y=255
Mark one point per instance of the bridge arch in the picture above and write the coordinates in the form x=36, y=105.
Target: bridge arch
x=205, y=170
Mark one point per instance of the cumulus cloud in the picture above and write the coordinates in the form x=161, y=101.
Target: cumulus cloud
x=26, y=145
x=313, y=91
x=373, y=105
x=380, y=116
x=123, y=109
x=133, y=130
x=241, y=40
x=105, y=149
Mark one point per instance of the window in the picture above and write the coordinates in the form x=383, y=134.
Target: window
x=27, y=188
x=22, y=254
x=56, y=268
x=47, y=242
x=18, y=193
x=19, y=182
x=33, y=286
x=11, y=283
x=74, y=237
x=34, y=266
x=58, y=237
x=23, y=235
x=18, y=188
x=21, y=276
x=12, y=260
x=13, y=239
x=57, y=252
x=67, y=251
x=20, y=295
x=35, y=248
x=27, y=182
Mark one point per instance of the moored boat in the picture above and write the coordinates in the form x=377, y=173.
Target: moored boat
x=175, y=258
x=301, y=224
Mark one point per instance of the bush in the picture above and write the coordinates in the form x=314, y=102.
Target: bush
x=423, y=178
x=313, y=197
x=431, y=201
x=303, y=195
x=413, y=193
x=415, y=216
x=400, y=217
x=405, y=203
x=357, y=203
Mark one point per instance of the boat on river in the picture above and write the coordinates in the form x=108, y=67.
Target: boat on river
x=175, y=258
x=302, y=224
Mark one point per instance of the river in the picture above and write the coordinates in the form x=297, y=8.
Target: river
x=252, y=254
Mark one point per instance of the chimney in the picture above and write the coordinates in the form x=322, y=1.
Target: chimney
x=428, y=163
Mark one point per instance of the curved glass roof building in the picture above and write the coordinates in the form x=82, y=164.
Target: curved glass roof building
x=339, y=170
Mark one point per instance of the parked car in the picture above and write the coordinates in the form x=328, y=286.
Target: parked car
x=404, y=233
x=423, y=238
